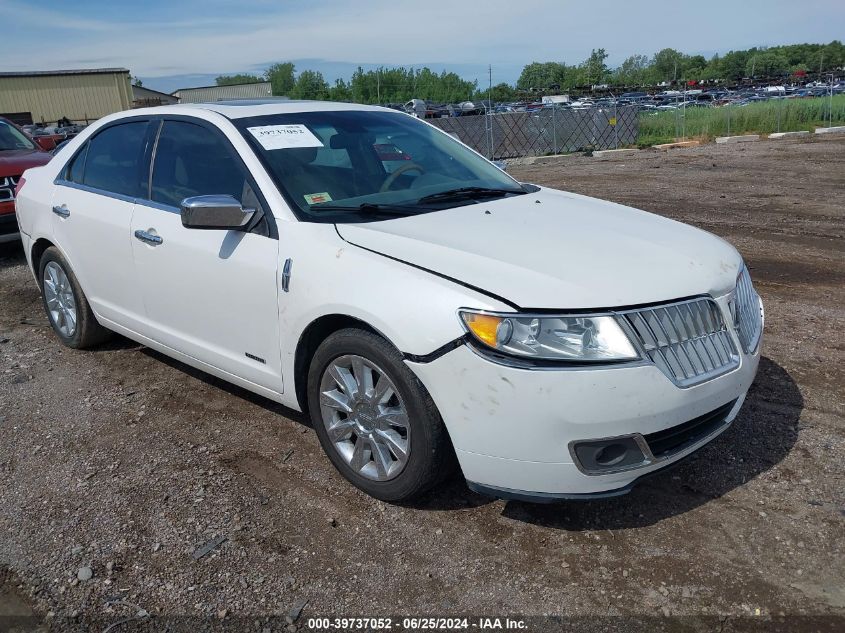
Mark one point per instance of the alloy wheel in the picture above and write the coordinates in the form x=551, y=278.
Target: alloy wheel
x=365, y=418
x=61, y=303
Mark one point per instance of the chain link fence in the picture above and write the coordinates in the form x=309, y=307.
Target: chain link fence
x=546, y=131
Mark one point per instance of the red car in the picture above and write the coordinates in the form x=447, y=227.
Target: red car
x=18, y=152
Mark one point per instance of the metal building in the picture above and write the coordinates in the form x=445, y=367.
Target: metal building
x=209, y=94
x=145, y=97
x=79, y=95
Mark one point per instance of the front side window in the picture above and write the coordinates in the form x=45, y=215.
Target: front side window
x=12, y=138
x=343, y=165
x=191, y=160
x=114, y=160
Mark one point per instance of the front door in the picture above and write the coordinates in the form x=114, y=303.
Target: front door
x=210, y=294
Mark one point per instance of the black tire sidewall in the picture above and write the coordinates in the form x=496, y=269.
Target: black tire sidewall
x=426, y=427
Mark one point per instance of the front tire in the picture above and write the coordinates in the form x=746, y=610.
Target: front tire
x=375, y=420
x=68, y=310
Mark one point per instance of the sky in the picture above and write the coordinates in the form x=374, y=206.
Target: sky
x=174, y=44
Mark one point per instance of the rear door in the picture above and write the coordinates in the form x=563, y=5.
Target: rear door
x=92, y=212
x=210, y=294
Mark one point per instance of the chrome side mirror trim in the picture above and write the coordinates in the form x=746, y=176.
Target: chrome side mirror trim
x=220, y=212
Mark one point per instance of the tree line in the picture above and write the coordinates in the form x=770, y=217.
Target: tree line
x=671, y=66
x=398, y=85
x=384, y=85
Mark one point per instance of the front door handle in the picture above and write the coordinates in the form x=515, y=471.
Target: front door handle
x=149, y=238
x=62, y=211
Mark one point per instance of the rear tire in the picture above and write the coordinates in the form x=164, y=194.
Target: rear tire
x=67, y=309
x=385, y=437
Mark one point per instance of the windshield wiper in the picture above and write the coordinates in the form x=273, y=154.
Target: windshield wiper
x=468, y=193
x=372, y=207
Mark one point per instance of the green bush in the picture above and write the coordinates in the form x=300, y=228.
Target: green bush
x=765, y=117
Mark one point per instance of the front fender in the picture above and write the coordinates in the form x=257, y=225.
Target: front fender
x=414, y=309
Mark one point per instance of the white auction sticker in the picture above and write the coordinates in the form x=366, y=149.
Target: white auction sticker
x=284, y=136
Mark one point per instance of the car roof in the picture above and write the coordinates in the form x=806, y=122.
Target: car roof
x=242, y=108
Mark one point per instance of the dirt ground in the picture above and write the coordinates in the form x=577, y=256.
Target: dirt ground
x=125, y=462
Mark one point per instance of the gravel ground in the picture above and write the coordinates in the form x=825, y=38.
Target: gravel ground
x=119, y=463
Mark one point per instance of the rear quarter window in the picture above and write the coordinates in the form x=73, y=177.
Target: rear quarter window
x=75, y=169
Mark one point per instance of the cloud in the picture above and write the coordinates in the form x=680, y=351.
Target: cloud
x=378, y=31
x=209, y=36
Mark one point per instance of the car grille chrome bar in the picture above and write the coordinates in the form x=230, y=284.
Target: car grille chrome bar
x=7, y=188
x=687, y=340
x=749, y=318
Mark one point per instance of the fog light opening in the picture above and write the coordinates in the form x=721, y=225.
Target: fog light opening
x=599, y=457
x=610, y=455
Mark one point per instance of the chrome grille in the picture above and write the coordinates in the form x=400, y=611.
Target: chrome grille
x=687, y=340
x=7, y=188
x=749, y=318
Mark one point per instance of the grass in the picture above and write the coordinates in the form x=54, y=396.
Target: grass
x=777, y=115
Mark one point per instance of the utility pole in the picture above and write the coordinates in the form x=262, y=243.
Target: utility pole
x=378, y=85
x=490, y=105
x=830, y=109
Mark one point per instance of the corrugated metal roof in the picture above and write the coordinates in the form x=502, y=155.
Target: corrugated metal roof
x=138, y=90
x=220, y=93
x=81, y=71
x=247, y=108
x=254, y=83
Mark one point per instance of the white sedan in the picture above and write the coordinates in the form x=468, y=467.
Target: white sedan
x=426, y=309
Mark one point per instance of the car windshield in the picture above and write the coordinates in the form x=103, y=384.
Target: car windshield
x=12, y=138
x=349, y=165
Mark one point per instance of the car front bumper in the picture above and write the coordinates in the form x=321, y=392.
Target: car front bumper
x=8, y=222
x=512, y=428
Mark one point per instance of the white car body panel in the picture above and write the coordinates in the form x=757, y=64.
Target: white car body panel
x=559, y=250
x=209, y=297
x=333, y=277
x=210, y=294
x=39, y=197
x=95, y=232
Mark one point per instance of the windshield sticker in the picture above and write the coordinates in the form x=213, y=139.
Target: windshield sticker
x=317, y=198
x=284, y=136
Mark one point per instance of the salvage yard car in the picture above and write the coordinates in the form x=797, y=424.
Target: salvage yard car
x=18, y=152
x=426, y=314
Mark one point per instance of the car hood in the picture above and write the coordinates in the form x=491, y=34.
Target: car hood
x=14, y=162
x=552, y=249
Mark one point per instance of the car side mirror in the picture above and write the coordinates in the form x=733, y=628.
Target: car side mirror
x=501, y=164
x=215, y=212
x=45, y=142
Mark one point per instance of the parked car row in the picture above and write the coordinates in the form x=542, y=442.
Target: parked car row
x=427, y=109
x=656, y=102
x=54, y=133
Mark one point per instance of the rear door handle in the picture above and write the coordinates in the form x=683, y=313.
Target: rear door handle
x=62, y=211
x=149, y=238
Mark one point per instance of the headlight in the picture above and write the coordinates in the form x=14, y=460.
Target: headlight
x=554, y=337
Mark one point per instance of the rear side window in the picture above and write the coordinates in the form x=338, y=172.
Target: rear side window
x=115, y=158
x=76, y=169
x=191, y=160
